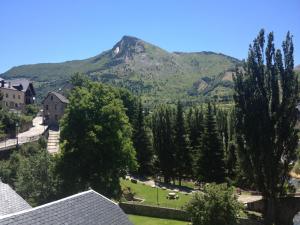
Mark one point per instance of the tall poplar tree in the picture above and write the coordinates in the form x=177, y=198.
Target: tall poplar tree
x=266, y=94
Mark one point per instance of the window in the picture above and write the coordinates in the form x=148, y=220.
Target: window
x=47, y=107
x=6, y=103
x=51, y=97
x=6, y=95
x=14, y=96
x=56, y=117
x=55, y=106
x=16, y=105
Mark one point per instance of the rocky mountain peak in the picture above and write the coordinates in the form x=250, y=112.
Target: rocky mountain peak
x=127, y=47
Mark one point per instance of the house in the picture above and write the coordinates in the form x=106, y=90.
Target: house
x=53, y=108
x=17, y=93
x=89, y=208
x=10, y=201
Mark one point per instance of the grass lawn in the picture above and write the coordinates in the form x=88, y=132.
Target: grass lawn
x=150, y=195
x=143, y=220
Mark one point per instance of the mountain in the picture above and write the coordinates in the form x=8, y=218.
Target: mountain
x=154, y=73
x=297, y=68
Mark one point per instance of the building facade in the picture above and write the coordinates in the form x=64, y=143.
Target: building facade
x=53, y=108
x=16, y=94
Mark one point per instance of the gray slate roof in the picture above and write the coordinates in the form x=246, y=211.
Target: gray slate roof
x=60, y=97
x=88, y=208
x=20, y=84
x=10, y=201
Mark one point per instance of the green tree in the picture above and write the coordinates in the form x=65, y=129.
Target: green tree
x=163, y=141
x=216, y=205
x=195, y=130
x=96, y=141
x=142, y=144
x=79, y=80
x=30, y=171
x=266, y=94
x=130, y=103
x=183, y=164
x=211, y=166
x=35, y=178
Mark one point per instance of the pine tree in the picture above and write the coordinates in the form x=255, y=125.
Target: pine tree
x=195, y=129
x=142, y=143
x=211, y=166
x=182, y=149
x=163, y=142
x=266, y=94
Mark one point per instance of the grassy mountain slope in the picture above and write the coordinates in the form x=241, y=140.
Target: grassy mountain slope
x=157, y=75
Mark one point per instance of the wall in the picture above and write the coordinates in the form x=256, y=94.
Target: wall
x=52, y=111
x=8, y=96
x=168, y=213
x=153, y=211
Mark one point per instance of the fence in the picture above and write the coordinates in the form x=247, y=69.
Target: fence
x=12, y=143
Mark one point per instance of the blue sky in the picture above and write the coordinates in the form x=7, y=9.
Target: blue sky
x=34, y=31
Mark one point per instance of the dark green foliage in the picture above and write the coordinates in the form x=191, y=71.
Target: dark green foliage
x=30, y=171
x=96, y=141
x=79, y=80
x=183, y=162
x=217, y=205
x=211, y=166
x=142, y=143
x=266, y=94
x=130, y=103
x=31, y=110
x=195, y=129
x=163, y=141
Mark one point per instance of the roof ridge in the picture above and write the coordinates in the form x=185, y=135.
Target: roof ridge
x=50, y=203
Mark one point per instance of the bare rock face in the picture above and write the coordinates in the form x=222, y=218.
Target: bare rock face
x=128, y=47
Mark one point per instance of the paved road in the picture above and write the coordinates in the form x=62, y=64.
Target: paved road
x=32, y=134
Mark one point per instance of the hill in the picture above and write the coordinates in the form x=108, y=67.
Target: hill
x=145, y=69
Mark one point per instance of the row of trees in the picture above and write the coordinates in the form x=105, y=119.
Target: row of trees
x=188, y=145
x=109, y=132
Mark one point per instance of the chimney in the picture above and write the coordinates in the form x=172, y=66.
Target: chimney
x=2, y=83
x=9, y=85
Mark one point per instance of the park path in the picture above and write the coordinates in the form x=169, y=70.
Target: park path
x=243, y=198
x=33, y=134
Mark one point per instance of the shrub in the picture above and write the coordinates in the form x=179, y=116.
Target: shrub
x=31, y=110
x=216, y=205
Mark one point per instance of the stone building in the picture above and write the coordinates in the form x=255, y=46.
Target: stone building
x=53, y=108
x=17, y=93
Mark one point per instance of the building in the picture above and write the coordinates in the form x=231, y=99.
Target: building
x=17, y=93
x=53, y=108
x=10, y=201
x=89, y=208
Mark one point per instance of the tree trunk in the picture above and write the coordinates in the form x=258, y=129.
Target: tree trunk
x=270, y=211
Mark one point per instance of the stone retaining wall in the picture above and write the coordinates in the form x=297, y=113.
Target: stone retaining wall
x=167, y=213
x=154, y=211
